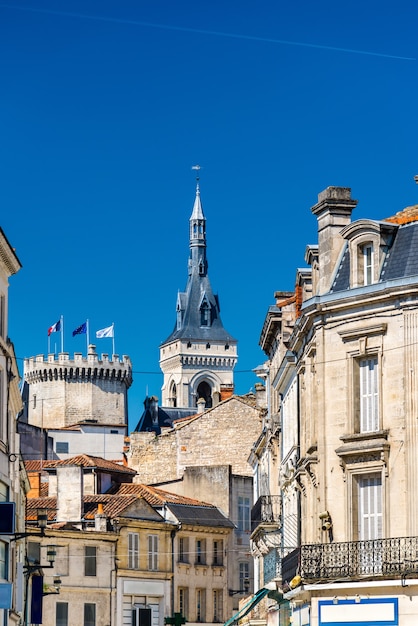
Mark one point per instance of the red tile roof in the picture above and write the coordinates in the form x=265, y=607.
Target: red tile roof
x=83, y=460
x=407, y=215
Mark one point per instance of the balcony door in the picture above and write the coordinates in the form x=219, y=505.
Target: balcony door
x=370, y=528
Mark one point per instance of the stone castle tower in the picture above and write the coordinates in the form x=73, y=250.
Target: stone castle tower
x=199, y=356
x=61, y=392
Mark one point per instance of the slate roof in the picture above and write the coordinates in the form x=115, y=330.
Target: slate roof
x=198, y=287
x=153, y=419
x=401, y=259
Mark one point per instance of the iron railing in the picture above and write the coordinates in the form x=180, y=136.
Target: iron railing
x=356, y=559
x=265, y=511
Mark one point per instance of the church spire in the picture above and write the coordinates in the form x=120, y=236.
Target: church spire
x=199, y=350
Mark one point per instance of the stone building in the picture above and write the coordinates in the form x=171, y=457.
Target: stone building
x=206, y=457
x=342, y=360
x=12, y=474
x=124, y=554
x=199, y=356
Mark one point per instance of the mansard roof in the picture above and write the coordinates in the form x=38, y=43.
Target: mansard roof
x=400, y=256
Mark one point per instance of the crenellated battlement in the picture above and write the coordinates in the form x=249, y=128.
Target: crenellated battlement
x=64, y=391
x=82, y=368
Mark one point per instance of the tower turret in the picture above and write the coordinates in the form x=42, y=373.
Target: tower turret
x=199, y=356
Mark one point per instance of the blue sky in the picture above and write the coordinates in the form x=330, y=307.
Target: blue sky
x=105, y=106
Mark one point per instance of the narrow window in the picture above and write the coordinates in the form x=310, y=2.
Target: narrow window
x=205, y=314
x=200, y=551
x=217, y=552
x=244, y=576
x=369, y=396
x=153, y=552
x=183, y=601
x=133, y=550
x=368, y=264
x=243, y=514
x=90, y=565
x=217, y=605
x=200, y=605
x=3, y=560
x=61, y=614
x=184, y=549
x=89, y=614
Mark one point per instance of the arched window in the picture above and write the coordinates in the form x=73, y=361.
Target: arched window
x=173, y=394
x=204, y=391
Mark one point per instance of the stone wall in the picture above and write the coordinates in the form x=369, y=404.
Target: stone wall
x=223, y=435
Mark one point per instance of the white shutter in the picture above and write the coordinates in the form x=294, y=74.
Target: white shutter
x=133, y=551
x=153, y=552
x=370, y=507
x=369, y=396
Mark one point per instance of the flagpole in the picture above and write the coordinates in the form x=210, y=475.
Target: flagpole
x=62, y=333
x=49, y=344
x=113, y=338
x=87, y=334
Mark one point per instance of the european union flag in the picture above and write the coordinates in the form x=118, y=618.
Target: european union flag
x=81, y=330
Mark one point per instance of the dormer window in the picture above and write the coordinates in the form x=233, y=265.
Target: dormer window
x=205, y=314
x=368, y=264
x=179, y=320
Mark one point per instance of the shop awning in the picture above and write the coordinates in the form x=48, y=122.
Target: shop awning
x=256, y=598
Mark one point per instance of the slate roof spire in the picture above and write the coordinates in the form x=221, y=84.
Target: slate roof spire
x=197, y=308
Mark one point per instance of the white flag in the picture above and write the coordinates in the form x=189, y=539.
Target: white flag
x=105, y=332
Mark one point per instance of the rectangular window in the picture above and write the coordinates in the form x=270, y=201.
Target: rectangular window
x=89, y=614
x=3, y=560
x=200, y=605
x=61, y=447
x=244, y=514
x=370, y=507
x=184, y=549
x=90, y=558
x=153, y=553
x=61, y=614
x=217, y=605
x=133, y=550
x=368, y=264
x=183, y=601
x=34, y=552
x=200, y=551
x=244, y=576
x=218, y=552
x=369, y=395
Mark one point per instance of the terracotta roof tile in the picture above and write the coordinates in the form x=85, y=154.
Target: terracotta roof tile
x=83, y=460
x=407, y=215
x=158, y=497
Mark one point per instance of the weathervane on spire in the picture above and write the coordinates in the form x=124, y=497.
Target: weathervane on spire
x=197, y=168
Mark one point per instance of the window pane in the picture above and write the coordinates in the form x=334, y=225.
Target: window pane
x=370, y=507
x=89, y=614
x=90, y=561
x=61, y=614
x=369, y=396
x=243, y=514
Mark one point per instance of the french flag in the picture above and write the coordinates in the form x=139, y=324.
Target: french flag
x=54, y=328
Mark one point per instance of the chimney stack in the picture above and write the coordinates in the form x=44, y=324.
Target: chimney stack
x=333, y=212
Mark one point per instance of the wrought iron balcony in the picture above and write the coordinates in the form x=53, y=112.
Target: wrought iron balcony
x=396, y=557
x=266, y=511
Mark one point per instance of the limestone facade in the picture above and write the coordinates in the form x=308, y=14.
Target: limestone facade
x=343, y=380
x=12, y=475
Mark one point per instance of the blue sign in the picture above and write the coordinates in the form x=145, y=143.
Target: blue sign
x=5, y=595
x=359, y=612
